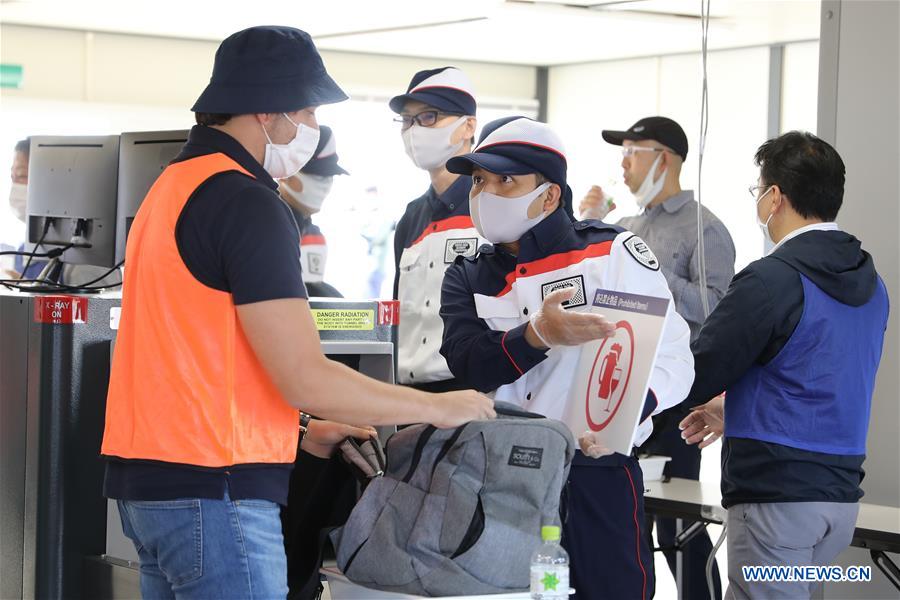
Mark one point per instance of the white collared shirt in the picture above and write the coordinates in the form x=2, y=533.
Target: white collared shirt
x=829, y=226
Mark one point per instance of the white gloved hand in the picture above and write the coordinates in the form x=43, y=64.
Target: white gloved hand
x=595, y=204
x=556, y=326
x=591, y=446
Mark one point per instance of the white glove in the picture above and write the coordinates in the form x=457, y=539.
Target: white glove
x=595, y=204
x=556, y=326
x=591, y=446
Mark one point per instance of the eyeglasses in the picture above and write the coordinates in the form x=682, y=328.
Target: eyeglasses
x=754, y=191
x=426, y=118
x=630, y=150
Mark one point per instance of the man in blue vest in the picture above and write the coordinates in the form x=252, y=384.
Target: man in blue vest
x=796, y=344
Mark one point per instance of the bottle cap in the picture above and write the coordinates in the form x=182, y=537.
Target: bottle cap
x=550, y=533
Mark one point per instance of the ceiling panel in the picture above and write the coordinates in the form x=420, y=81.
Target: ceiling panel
x=547, y=32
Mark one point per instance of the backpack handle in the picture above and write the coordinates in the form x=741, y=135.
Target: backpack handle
x=505, y=409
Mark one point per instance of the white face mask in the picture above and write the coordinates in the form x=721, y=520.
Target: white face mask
x=502, y=220
x=764, y=226
x=283, y=160
x=315, y=189
x=430, y=147
x=650, y=189
x=18, y=195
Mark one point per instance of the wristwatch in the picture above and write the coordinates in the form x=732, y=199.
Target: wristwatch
x=304, y=426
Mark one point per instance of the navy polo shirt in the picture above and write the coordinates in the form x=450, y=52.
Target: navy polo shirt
x=230, y=227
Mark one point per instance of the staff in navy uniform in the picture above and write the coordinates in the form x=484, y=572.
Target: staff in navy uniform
x=305, y=193
x=796, y=342
x=502, y=336
x=653, y=152
x=437, y=119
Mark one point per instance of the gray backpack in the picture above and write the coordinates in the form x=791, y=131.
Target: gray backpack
x=458, y=511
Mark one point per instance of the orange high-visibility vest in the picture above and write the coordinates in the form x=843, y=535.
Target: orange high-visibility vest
x=185, y=385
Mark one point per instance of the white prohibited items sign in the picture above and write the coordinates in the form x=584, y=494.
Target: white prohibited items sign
x=614, y=373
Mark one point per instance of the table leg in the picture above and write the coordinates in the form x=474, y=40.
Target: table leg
x=679, y=566
x=887, y=566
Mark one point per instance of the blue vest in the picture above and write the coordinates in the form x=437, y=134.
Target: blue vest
x=816, y=394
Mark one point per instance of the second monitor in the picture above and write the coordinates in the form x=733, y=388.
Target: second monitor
x=143, y=156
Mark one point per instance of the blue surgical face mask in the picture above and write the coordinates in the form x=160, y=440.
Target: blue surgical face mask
x=764, y=226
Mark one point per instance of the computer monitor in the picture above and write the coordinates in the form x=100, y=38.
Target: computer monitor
x=72, y=196
x=142, y=157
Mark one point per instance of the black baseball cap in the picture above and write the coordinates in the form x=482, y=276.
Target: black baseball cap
x=267, y=69
x=660, y=129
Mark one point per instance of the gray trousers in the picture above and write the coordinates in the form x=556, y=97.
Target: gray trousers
x=785, y=533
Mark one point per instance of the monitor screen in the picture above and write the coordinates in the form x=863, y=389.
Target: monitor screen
x=72, y=196
x=142, y=157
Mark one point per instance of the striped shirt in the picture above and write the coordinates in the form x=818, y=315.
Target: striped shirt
x=670, y=229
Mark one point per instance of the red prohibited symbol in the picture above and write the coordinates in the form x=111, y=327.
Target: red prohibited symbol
x=609, y=377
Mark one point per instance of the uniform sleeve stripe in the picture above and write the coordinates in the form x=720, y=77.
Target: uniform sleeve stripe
x=508, y=355
x=458, y=222
x=555, y=262
x=312, y=240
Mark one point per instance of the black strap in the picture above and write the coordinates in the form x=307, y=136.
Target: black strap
x=446, y=447
x=505, y=409
x=417, y=452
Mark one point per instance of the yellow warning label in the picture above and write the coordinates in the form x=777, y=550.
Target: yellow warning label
x=333, y=319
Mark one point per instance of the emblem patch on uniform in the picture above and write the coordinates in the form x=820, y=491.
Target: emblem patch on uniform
x=577, y=282
x=316, y=263
x=460, y=247
x=641, y=252
x=523, y=456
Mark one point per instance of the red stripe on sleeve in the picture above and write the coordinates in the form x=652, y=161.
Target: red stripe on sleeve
x=508, y=355
x=312, y=240
x=555, y=262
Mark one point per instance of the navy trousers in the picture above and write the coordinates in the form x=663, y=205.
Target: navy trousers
x=603, y=531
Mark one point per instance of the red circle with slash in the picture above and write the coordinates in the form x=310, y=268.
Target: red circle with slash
x=626, y=327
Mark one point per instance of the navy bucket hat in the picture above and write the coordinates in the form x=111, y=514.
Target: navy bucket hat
x=447, y=89
x=267, y=69
x=518, y=146
x=325, y=160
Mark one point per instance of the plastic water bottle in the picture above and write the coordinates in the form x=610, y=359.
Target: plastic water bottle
x=550, y=567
